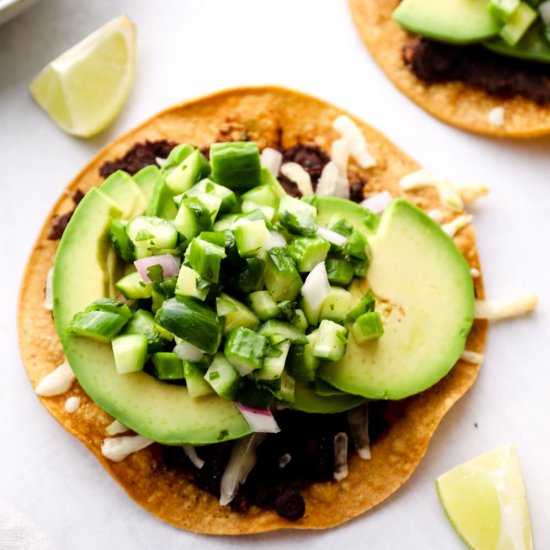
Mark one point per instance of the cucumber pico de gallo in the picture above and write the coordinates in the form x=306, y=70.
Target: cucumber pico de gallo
x=232, y=287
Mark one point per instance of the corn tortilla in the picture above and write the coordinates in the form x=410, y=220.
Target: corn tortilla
x=262, y=112
x=455, y=103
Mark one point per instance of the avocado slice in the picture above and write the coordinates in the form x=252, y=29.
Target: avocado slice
x=533, y=46
x=426, y=298
x=306, y=400
x=454, y=21
x=159, y=411
x=125, y=193
x=146, y=180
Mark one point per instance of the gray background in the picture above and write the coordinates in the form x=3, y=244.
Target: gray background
x=189, y=48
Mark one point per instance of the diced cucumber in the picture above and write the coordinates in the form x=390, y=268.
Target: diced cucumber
x=287, y=387
x=223, y=377
x=225, y=223
x=302, y=363
x=263, y=305
x=192, y=218
x=267, y=211
x=120, y=241
x=192, y=321
x=281, y=277
x=518, y=24
x=356, y=247
x=245, y=350
x=262, y=195
x=157, y=299
x=167, y=366
x=228, y=199
x=251, y=237
x=298, y=320
x=211, y=202
x=339, y=271
x=161, y=204
x=189, y=283
x=286, y=330
x=197, y=386
x=205, y=258
x=102, y=326
x=307, y=252
x=274, y=361
x=336, y=305
x=183, y=176
x=267, y=178
x=366, y=304
x=503, y=9
x=367, y=327
x=249, y=276
x=130, y=351
x=111, y=306
x=152, y=234
x=297, y=216
x=143, y=322
x=131, y=286
x=331, y=341
x=235, y=165
x=177, y=155
x=236, y=313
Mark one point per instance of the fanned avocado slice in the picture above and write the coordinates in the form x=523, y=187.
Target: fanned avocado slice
x=425, y=295
x=159, y=411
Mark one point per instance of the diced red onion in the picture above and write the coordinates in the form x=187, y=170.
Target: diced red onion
x=296, y=173
x=358, y=420
x=316, y=288
x=259, y=420
x=544, y=10
x=170, y=266
x=188, y=352
x=271, y=159
x=241, y=462
x=48, y=294
x=331, y=236
x=378, y=203
x=340, y=456
x=192, y=455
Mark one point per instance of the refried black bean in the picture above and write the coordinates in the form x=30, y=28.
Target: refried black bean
x=495, y=74
x=59, y=223
x=139, y=156
x=310, y=157
x=290, y=505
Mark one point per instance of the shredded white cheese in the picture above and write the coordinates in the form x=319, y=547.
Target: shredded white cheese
x=505, y=308
x=326, y=186
x=160, y=161
x=72, y=404
x=448, y=193
x=354, y=141
x=474, y=272
x=118, y=448
x=116, y=428
x=496, y=116
x=358, y=420
x=48, y=294
x=296, y=173
x=272, y=160
x=284, y=460
x=472, y=357
x=454, y=226
x=435, y=214
x=192, y=455
x=340, y=456
x=56, y=382
x=470, y=192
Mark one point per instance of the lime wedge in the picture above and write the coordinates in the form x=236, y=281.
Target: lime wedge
x=485, y=501
x=85, y=87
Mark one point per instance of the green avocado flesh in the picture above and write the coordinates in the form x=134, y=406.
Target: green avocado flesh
x=426, y=298
x=159, y=411
x=306, y=400
x=454, y=21
x=533, y=46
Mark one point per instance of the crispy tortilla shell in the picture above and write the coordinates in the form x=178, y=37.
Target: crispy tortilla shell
x=455, y=103
x=270, y=116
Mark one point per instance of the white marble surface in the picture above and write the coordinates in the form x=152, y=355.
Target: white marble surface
x=187, y=48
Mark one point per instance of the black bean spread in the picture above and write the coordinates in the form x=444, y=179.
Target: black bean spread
x=497, y=75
